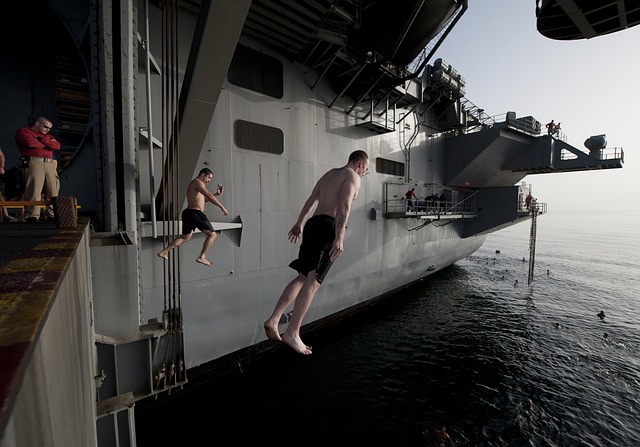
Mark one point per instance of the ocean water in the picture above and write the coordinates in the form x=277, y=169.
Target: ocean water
x=498, y=363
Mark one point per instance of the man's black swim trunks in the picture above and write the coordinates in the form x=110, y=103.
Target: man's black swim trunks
x=317, y=237
x=192, y=219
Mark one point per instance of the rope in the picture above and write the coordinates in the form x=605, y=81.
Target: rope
x=172, y=361
x=170, y=151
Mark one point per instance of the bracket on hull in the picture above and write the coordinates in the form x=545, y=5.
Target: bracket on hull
x=233, y=229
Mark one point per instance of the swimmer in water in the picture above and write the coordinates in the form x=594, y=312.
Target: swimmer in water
x=442, y=437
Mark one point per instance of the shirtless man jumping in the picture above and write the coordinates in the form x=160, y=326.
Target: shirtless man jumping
x=322, y=243
x=193, y=216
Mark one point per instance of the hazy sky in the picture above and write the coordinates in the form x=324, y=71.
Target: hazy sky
x=591, y=86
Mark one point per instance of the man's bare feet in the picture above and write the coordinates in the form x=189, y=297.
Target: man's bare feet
x=271, y=331
x=204, y=262
x=163, y=255
x=296, y=344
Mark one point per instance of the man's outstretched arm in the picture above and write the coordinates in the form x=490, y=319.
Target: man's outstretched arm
x=211, y=197
x=348, y=192
x=296, y=230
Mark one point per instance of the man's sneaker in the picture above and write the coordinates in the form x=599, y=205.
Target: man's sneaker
x=32, y=220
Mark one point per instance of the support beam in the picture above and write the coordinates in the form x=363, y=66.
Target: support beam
x=209, y=62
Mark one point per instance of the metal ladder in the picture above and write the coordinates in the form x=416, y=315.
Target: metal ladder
x=532, y=240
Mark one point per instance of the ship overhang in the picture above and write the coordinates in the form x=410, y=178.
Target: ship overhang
x=585, y=19
x=502, y=156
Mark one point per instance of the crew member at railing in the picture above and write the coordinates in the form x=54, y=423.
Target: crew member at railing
x=551, y=127
x=36, y=146
x=411, y=197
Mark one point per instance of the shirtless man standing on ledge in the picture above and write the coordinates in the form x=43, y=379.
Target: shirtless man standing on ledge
x=322, y=243
x=193, y=216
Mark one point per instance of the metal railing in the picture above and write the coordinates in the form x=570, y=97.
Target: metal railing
x=396, y=205
x=537, y=207
x=608, y=153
